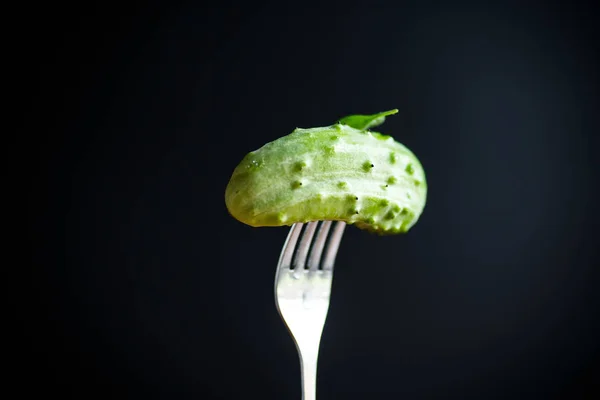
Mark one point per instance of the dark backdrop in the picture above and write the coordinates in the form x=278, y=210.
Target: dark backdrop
x=145, y=287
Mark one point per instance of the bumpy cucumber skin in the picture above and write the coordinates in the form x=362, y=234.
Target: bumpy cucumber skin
x=330, y=173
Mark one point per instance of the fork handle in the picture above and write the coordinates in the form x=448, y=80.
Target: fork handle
x=308, y=367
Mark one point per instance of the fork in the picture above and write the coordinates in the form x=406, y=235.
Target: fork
x=302, y=292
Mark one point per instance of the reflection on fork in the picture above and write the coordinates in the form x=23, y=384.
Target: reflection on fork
x=302, y=290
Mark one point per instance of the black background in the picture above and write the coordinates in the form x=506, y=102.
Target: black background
x=144, y=286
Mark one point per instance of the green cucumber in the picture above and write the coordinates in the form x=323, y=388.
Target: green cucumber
x=341, y=172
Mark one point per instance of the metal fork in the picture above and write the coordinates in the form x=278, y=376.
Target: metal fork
x=302, y=292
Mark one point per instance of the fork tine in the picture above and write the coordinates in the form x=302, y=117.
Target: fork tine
x=285, y=259
x=318, y=245
x=334, y=244
x=302, y=250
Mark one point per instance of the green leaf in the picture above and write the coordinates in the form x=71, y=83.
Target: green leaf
x=363, y=122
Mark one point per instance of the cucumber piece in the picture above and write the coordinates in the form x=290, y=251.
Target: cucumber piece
x=339, y=172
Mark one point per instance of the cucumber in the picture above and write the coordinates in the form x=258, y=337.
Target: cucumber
x=342, y=172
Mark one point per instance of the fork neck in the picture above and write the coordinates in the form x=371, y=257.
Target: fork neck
x=308, y=366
